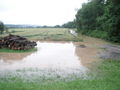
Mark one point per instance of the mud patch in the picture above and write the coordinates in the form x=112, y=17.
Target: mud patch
x=110, y=52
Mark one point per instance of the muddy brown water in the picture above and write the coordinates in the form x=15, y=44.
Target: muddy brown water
x=52, y=59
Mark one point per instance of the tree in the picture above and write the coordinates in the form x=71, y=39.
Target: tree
x=111, y=20
x=57, y=26
x=70, y=24
x=100, y=17
x=86, y=17
x=1, y=27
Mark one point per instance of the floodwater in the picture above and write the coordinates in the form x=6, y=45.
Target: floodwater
x=51, y=60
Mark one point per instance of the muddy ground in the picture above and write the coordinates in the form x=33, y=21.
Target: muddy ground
x=110, y=52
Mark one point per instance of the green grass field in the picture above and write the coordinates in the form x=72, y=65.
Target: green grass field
x=107, y=78
x=54, y=34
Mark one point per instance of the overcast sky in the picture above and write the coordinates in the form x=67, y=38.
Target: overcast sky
x=38, y=12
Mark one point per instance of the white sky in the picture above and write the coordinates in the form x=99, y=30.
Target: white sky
x=38, y=12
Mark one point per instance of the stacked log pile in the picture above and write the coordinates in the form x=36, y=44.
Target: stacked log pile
x=16, y=42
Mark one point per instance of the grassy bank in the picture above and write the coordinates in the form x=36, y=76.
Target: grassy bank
x=95, y=33
x=6, y=50
x=107, y=78
x=100, y=35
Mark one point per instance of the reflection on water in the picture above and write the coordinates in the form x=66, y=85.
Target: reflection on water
x=60, y=59
x=87, y=55
x=13, y=57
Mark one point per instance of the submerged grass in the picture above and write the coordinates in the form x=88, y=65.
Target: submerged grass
x=107, y=78
x=6, y=50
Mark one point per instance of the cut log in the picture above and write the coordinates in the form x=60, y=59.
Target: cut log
x=16, y=42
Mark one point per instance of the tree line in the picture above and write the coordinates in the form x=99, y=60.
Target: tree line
x=100, y=18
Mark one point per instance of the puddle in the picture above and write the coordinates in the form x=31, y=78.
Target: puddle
x=51, y=60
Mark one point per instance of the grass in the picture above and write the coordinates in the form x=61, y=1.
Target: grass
x=51, y=34
x=108, y=78
x=6, y=50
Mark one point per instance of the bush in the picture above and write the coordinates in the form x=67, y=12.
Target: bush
x=1, y=27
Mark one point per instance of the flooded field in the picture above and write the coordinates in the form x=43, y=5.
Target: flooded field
x=52, y=60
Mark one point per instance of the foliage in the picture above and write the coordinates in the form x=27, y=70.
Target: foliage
x=57, y=26
x=100, y=16
x=98, y=34
x=71, y=24
x=86, y=18
x=1, y=27
x=111, y=20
